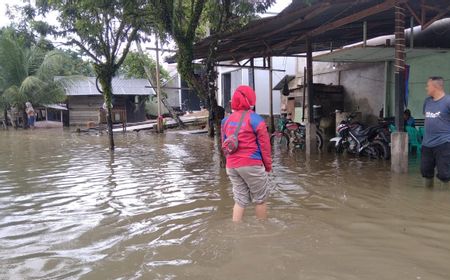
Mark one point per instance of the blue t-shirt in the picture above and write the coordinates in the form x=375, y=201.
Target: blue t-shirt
x=437, y=121
x=411, y=122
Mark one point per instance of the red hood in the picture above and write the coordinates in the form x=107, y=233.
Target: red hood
x=243, y=98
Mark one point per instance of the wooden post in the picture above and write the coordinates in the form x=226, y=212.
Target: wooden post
x=399, y=66
x=311, y=142
x=272, y=121
x=399, y=140
x=160, y=124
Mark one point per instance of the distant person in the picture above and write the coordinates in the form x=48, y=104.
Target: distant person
x=248, y=166
x=436, y=140
x=30, y=114
x=228, y=110
x=409, y=120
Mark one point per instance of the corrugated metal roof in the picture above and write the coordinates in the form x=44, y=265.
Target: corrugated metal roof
x=330, y=23
x=86, y=86
x=56, y=107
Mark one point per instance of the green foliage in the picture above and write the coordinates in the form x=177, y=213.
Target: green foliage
x=27, y=74
x=74, y=65
x=187, y=21
x=103, y=30
x=133, y=67
x=28, y=30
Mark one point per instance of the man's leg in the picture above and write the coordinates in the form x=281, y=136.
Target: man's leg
x=261, y=211
x=427, y=165
x=443, y=162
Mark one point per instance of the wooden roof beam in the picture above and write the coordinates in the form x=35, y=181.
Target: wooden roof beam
x=413, y=13
x=437, y=17
x=322, y=8
x=386, y=5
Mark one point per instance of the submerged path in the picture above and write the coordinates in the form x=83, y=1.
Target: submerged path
x=160, y=208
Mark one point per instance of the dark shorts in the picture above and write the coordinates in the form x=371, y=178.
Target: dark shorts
x=436, y=158
x=31, y=120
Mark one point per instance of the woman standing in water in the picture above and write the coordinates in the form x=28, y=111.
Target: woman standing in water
x=30, y=114
x=249, y=164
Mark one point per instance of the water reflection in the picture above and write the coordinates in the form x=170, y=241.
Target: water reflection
x=159, y=208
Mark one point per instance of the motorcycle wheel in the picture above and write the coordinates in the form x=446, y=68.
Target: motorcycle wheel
x=331, y=148
x=302, y=140
x=280, y=139
x=382, y=149
x=319, y=140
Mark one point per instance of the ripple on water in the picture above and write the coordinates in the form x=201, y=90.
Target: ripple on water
x=159, y=208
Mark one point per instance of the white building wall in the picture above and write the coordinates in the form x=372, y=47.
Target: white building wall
x=241, y=77
x=364, y=84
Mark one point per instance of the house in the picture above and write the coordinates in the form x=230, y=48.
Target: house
x=84, y=100
x=53, y=115
x=230, y=78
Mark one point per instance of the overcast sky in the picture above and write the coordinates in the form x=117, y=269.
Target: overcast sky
x=279, y=6
x=4, y=20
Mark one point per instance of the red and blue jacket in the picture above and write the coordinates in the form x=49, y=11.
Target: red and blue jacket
x=254, y=141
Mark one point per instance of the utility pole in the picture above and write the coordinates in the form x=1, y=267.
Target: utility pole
x=148, y=73
x=160, y=124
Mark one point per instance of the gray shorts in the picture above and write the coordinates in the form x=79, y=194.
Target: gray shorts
x=250, y=184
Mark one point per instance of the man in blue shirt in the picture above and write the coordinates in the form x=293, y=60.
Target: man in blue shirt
x=436, y=140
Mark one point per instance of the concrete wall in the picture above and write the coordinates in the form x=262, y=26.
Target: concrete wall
x=241, y=77
x=364, y=84
x=420, y=69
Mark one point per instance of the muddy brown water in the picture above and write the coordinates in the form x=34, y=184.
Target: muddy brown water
x=160, y=208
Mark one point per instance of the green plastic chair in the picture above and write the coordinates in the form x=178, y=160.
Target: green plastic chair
x=392, y=128
x=413, y=136
x=421, y=133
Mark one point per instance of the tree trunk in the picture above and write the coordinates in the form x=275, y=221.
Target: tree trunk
x=110, y=127
x=106, y=84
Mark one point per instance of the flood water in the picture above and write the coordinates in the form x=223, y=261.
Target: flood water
x=160, y=208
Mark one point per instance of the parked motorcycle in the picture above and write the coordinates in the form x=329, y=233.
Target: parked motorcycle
x=290, y=132
x=354, y=138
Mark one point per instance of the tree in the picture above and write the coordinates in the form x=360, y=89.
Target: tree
x=187, y=21
x=104, y=31
x=27, y=74
x=133, y=67
x=74, y=64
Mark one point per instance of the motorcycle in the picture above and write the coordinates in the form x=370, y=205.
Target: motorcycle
x=292, y=132
x=354, y=138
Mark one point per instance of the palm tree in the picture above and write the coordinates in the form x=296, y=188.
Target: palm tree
x=27, y=74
